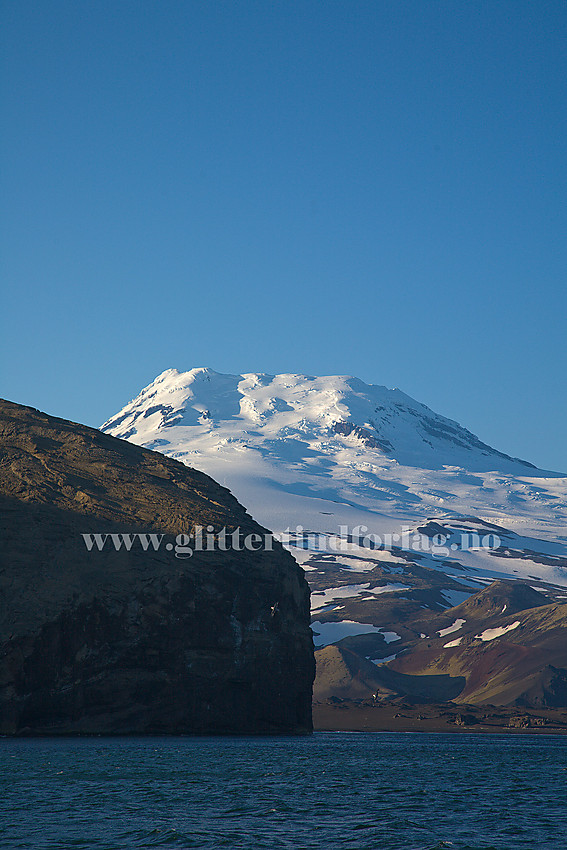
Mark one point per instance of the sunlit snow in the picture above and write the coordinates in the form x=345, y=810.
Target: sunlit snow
x=454, y=628
x=491, y=634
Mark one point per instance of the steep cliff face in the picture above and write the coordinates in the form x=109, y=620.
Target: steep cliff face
x=134, y=640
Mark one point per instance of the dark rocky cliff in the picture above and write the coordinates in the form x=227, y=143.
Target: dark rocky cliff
x=118, y=642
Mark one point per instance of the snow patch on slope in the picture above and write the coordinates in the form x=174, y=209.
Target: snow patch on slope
x=459, y=622
x=491, y=634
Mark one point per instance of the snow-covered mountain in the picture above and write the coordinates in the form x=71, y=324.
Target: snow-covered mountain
x=327, y=461
x=330, y=451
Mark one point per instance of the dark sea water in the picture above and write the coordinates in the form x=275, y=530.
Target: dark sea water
x=387, y=791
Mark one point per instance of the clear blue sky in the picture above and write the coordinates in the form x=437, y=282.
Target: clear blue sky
x=369, y=188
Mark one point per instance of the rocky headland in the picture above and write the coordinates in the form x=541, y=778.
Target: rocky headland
x=133, y=641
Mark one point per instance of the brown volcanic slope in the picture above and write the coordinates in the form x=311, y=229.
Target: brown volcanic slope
x=522, y=660
x=132, y=641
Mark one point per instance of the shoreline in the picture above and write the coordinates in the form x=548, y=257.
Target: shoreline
x=335, y=715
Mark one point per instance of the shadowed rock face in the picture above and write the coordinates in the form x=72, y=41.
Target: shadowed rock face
x=118, y=642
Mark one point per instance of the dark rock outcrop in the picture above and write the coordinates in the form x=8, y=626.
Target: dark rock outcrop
x=118, y=642
x=348, y=428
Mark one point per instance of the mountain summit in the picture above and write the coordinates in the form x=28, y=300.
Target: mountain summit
x=305, y=442
x=323, y=410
